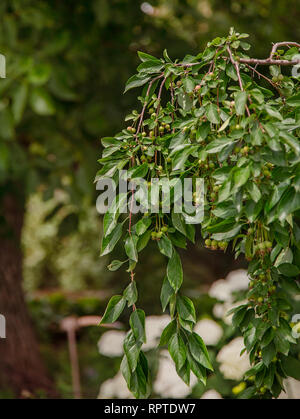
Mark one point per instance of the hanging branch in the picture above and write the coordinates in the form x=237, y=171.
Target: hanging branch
x=145, y=104
x=235, y=64
x=264, y=77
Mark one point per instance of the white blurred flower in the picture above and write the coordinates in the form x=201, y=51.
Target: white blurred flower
x=211, y=394
x=210, y=331
x=292, y=388
x=168, y=384
x=238, y=279
x=111, y=343
x=223, y=288
x=220, y=290
x=218, y=310
x=147, y=8
x=154, y=326
x=232, y=365
x=115, y=387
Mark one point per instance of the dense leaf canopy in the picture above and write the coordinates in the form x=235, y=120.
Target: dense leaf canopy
x=216, y=117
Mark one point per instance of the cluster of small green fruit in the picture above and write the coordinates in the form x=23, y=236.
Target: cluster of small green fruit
x=157, y=235
x=244, y=150
x=263, y=247
x=214, y=193
x=278, y=79
x=215, y=245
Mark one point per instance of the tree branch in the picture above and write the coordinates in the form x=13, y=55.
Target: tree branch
x=268, y=61
x=145, y=104
x=235, y=64
x=282, y=44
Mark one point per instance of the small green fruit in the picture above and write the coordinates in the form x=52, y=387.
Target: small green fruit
x=216, y=188
x=214, y=244
x=207, y=242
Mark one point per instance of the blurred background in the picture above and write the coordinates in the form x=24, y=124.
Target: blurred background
x=66, y=66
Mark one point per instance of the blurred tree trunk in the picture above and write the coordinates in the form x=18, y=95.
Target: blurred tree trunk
x=21, y=365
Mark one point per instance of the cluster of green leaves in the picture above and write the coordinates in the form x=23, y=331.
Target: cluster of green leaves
x=211, y=117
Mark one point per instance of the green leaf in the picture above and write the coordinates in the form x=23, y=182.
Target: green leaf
x=167, y=333
x=254, y=191
x=268, y=337
x=287, y=269
x=177, y=350
x=228, y=234
x=147, y=57
x=136, y=81
x=138, y=171
x=130, y=247
x=240, y=102
x=291, y=141
x=180, y=157
x=143, y=241
x=248, y=393
x=125, y=370
x=268, y=353
x=185, y=101
x=115, y=265
x=165, y=246
x=285, y=256
x=109, y=242
x=131, y=294
x=291, y=367
x=132, y=350
x=293, y=100
x=114, y=309
x=174, y=271
x=241, y=175
x=231, y=72
x=289, y=203
x=150, y=66
x=219, y=144
x=137, y=324
x=212, y=113
x=178, y=222
x=199, y=351
x=239, y=316
x=186, y=309
x=166, y=293
x=198, y=370
x=142, y=226
x=188, y=84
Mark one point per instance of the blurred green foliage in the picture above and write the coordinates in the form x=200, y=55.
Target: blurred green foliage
x=67, y=63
